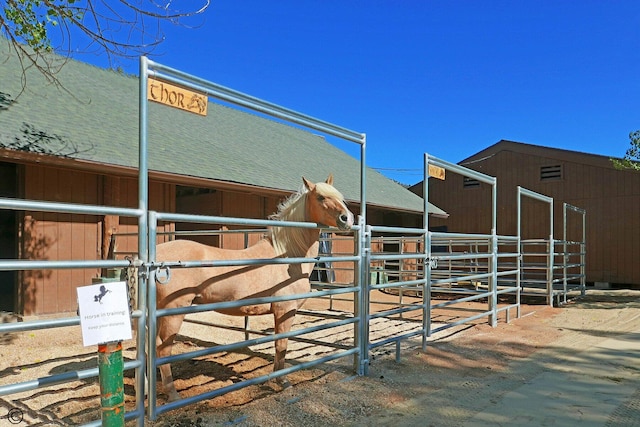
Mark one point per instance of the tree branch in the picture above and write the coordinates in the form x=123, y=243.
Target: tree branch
x=125, y=29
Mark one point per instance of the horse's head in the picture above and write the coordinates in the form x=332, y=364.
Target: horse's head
x=325, y=205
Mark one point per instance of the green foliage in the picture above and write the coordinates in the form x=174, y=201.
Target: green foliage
x=29, y=21
x=631, y=159
x=114, y=28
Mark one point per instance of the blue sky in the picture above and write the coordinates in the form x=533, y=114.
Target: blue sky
x=445, y=77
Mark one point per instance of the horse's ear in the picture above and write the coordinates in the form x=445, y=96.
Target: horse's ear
x=330, y=179
x=308, y=184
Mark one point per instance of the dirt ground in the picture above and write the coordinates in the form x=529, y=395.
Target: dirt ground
x=463, y=372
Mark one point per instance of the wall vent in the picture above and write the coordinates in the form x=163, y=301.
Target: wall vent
x=552, y=172
x=470, y=182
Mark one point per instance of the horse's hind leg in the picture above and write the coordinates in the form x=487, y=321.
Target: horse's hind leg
x=283, y=320
x=168, y=328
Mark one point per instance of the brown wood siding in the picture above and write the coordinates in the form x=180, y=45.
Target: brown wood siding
x=467, y=207
x=200, y=204
x=226, y=204
x=343, y=246
x=241, y=205
x=610, y=197
x=161, y=199
x=127, y=198
x=49, y=236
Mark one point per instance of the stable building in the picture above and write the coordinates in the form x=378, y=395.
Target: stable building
x=610, y=197
x=78, y=143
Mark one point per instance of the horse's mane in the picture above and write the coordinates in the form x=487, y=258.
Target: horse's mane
x=294, y=241
x=291, y=241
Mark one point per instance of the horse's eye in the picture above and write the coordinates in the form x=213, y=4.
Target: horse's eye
x=320, y=198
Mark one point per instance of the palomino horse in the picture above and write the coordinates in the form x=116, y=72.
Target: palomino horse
x=319, y=203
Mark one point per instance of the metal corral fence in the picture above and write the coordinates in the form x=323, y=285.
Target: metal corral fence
x=471, y=267
x=344, y=348
x=574, y=250
x=462, y=267
x=170, y=75
x=465, y=267
x=146, y=267
x=396, y=262
x=474, y=267
x=552, y=267
x=55, y=382
x=388, y=273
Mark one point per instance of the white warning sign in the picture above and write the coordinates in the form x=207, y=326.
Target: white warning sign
x=104, y=313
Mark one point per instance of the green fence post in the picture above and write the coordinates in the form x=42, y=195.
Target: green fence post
x=110, y=370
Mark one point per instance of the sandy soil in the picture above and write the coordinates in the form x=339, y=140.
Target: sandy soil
x=463, y=371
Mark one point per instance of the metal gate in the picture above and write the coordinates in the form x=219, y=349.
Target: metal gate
x=57, y=326
x=472, y=267
x=155, y=70
x=553, y=267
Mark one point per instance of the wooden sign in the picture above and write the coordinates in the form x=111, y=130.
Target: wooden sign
x=176, y=96
x=104, y=313
x=436, y=172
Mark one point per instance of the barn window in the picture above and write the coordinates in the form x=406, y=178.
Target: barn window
x=549, y=173
x=470, y=182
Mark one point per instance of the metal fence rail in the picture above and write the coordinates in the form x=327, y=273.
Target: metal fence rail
x=341, y=350
x=574, y=249
x=475, y=268
x=470, y=267
x=138, y=365
x=388, y=273
x=551, y=267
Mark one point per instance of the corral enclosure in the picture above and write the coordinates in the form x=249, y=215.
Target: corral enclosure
x=365, y=309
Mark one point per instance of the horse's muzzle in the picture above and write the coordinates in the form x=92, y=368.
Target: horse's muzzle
x=345, y=221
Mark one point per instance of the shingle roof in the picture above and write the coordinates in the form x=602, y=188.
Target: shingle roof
x=96, y=113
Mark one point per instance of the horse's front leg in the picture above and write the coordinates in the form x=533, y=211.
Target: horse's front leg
x=283, y=320
x=168, y=328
